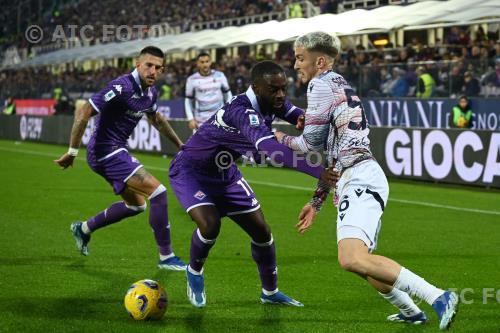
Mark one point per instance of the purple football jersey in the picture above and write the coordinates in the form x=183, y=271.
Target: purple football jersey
x=237, y=128
x=120, y=106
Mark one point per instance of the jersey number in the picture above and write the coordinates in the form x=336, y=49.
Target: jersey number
x=243, y=183
x=354, y=103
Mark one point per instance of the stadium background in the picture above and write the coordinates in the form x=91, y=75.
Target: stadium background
x=385, y=44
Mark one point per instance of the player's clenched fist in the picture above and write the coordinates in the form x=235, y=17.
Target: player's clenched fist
x=331, y=176
x=65, y=161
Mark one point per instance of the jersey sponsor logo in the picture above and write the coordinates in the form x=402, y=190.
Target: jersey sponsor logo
x=254, y=202
x=118, y=87
x=136, y=96
x=358, y=192
x=109, y=95
x=359, y=143
x=134, y=114
x=311, y=87
x=254, y=120
x=249, y=110
x=200, y=195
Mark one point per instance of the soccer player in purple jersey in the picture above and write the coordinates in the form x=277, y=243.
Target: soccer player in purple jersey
x=209, y=185
x=119, y=107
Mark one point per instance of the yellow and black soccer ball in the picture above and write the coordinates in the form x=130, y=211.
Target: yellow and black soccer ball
x=146, y=300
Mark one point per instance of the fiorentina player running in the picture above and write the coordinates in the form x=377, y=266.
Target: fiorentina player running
x=209, y=185
x=335, y=120
x=119, y=107
x=207, y=89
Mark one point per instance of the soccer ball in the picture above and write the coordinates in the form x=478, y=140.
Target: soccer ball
x=145, y=300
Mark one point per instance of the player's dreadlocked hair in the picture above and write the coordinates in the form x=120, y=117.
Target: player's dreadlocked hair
x=319, y=42
x=265, y=67
x=153, y=50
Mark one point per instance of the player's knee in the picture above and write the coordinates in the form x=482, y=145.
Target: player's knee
x=262, y=234
x=209, y=228
x=351, y=263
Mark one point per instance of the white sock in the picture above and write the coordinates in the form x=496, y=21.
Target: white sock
x=192, y=271
x=269, y=293
x=414, y=285
x=165, y=257
x=85, y=228
x=402, y=301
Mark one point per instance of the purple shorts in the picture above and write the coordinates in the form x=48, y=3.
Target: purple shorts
x=228, y=191
x=116, y=167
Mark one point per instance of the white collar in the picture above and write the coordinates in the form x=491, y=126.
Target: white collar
x=253, y=99
x=137, y=79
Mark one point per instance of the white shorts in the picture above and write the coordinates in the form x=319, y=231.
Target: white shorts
x=363, y=191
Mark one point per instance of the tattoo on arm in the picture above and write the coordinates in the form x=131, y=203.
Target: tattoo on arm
x=82, y=117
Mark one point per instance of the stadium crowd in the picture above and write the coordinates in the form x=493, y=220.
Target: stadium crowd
x=456, y=66
x=176, y=13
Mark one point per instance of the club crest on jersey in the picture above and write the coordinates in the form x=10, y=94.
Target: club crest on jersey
x=254, y=120
x=109, y=95
x=200, y=195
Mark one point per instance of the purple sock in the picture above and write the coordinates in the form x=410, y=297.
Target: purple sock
x=199, y=250
x=114, y=213
x=265, y=256
x=158, y=220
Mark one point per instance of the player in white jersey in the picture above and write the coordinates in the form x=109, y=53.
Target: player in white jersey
x=335, y=121
x=206, y=92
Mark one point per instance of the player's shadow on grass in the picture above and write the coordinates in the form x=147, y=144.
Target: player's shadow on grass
x=194, y=320
x=60, y=308
x=271, y=318
x=35, y=260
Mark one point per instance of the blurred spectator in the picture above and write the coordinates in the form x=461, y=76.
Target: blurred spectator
x=461, y=115
x=9, y=106
x=400, y=88
x=426, y=83
x=295, y=10
x=492, y=80
x=64, y=105
x=165, y=92
x=471, y=86
x=455, y=82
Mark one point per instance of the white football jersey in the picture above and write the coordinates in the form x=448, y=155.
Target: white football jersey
x=335, y=121
x=207, y=91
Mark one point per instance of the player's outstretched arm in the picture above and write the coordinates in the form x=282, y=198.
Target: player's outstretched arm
x=306, y=218
x=163, y=126
x=82, y=117
x=313, y=207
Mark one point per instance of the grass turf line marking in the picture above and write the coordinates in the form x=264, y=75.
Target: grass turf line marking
x=291, y=187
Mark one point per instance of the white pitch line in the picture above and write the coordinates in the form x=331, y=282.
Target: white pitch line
x=278, y=185
x=411, y=202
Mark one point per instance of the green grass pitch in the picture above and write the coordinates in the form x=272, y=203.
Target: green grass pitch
x=47, y=286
